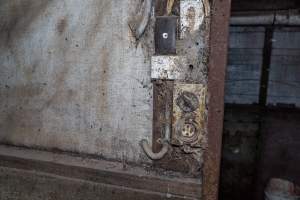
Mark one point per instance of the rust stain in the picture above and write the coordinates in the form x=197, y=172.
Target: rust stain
x=61, y=25
x=191, y=17
x=217, y=64
x=104, y=79
x=102, y=9
x=170, y=5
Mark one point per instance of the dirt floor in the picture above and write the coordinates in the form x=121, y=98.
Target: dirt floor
x=256, y=149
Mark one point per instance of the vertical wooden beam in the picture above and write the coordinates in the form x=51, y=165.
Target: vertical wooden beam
x=216, y=80
x=160, y=7
x=162, y=98
x=265, y=71
x=161, y=94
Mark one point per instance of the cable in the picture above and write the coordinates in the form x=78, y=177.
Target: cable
x=154, y=156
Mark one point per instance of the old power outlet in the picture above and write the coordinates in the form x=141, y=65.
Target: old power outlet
x=189, y=115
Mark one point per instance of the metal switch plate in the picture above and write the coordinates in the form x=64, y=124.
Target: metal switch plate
x=168, y=67
x=189, y=115
x=191, y=17
x=165, y=35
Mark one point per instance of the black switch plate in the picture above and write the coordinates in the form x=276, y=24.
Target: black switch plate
x=165, y=35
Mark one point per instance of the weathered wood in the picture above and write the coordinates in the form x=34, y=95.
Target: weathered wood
x=100, y=171
x=159, y=109
x=160, y=7
x=216, y=81
x=29, y=185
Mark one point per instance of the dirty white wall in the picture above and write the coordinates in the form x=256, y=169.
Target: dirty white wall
x=72, y=77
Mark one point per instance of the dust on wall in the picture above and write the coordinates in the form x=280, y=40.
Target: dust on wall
x=73, y=78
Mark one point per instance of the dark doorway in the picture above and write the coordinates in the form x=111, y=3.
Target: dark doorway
x=261, y=138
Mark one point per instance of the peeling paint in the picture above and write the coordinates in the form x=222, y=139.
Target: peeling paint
x=191, y=17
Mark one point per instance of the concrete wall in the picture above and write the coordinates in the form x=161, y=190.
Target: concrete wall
x=73, y=78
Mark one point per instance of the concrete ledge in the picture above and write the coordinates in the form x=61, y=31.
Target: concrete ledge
x=114, y=176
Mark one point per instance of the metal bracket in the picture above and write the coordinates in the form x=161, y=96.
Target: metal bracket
x=168, y=67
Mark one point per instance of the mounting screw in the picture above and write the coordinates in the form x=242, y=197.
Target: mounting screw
x=165, y=35
x=187, y=101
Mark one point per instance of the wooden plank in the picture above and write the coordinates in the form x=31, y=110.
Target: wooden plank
x=99, y=171
x=216, y=81
x=29, y=185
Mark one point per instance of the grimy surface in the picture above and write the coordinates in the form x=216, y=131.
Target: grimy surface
x=72, y=77
x=32, y=174
x=27, y=185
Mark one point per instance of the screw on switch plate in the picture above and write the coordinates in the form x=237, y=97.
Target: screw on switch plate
x=165, y=35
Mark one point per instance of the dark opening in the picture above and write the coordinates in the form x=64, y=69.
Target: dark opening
x=261, y=137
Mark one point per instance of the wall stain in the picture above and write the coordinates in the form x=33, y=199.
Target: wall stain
x=60, y=64
x=61, y=25
x=104, y=81
x=19, y=123
x=18, y=17
x=191, y=15
x=102, y=9
x=59, y=86
x=122, y=148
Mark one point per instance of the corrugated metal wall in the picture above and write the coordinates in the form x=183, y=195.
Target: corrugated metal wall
x=245, y=63
x=284, y=83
